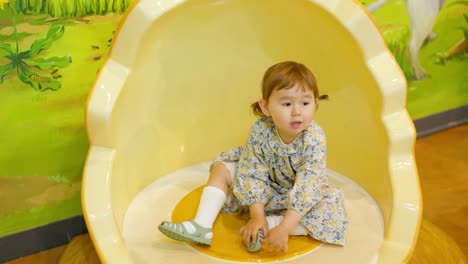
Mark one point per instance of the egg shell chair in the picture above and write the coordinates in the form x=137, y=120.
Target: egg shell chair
x=179, y=79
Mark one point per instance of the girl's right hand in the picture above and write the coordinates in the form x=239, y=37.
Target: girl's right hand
x=249, y=231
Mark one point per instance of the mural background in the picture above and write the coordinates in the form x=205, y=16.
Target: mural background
x=43, y=141
x=444, y=57
x=50, y=53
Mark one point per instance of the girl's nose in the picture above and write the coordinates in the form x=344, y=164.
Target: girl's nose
x=296, y=110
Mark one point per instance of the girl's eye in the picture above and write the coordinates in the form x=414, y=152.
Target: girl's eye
x=306, y=103
x=286, y=104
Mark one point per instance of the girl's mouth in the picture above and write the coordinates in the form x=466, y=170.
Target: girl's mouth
x=296, y=124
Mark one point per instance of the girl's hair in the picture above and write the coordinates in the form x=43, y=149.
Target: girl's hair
x=285, y=75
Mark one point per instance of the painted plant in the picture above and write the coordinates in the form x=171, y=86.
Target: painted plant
x=30, y=66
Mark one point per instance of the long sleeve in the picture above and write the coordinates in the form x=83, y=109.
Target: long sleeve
x=253, y=184
x=231, y=155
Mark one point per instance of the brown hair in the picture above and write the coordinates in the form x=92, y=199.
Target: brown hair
x=285, y=75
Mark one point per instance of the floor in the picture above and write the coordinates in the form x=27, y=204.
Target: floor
x=442, y=161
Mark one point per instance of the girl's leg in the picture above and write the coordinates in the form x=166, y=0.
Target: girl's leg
x=212, y=200
x=214, y=195
x=221, y=175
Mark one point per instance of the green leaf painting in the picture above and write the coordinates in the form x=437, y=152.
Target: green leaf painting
x=29, y=66
x=72, y=8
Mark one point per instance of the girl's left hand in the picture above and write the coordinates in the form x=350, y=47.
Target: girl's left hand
x=249, y=231
x=277, y=239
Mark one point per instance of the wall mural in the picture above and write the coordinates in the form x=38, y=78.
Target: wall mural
x=51, y=51
x=429, y=41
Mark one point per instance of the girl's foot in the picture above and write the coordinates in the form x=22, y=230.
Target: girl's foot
x=188, y=231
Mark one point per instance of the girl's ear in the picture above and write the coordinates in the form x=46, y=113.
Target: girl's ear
x=264, y=107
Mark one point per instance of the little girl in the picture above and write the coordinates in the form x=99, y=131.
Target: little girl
x=280, y=176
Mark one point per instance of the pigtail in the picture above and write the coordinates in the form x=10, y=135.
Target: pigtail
x=257, y=110
x=319, y=98
x=323, y=97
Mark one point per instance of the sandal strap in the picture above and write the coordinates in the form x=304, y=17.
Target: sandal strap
x=178, y=231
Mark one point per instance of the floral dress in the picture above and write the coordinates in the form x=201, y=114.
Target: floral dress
x=287, y=177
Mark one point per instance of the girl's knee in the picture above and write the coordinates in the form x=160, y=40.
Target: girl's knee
x=219, y=171
x=218, y=166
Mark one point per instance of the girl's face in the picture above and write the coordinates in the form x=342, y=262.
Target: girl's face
x=291, y=109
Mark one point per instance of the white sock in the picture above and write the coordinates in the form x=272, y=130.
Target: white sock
x=211, y=202
x=275, y=220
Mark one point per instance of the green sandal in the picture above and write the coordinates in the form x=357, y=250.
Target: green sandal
x=257, y=245
x=177, y=231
